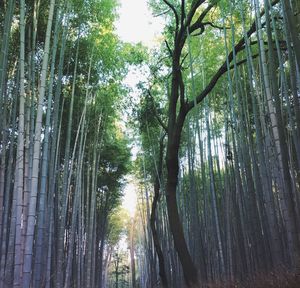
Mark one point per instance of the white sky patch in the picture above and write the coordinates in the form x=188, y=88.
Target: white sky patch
x=137, y=24
x=130, y=197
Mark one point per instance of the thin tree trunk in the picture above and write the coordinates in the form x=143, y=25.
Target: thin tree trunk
x=28, y=255
x=20, y=156
x=285, y=197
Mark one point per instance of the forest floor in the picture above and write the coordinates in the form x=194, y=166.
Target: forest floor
x=280, y=278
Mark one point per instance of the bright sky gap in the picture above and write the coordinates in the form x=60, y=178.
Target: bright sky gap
x=135, y=25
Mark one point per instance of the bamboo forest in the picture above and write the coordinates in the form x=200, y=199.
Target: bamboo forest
x=171, y=160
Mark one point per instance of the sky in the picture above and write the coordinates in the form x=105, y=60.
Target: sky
x=136, y=24
x=130, y=196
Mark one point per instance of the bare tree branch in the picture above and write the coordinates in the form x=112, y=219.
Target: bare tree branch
x=169, y=48
x=198, y=24
x=196, y=4
x=182, y=12
x=175, y=14
x=181, y=87
x=202, y=27
x=162, y=124
x=162, y=13
x=238, y=47
x=214, y=25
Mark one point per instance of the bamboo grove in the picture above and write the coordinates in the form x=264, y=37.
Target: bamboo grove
x=219, y=123
x=63, y=153
x=217, y=129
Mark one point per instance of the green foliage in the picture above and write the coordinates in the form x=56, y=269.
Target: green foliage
x=117, y=223
x=114, y=160
x=135, y=54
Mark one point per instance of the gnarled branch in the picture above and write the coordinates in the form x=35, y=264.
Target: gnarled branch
x=175, y=14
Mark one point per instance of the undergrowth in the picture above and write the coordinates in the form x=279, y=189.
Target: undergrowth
x=279, y=278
